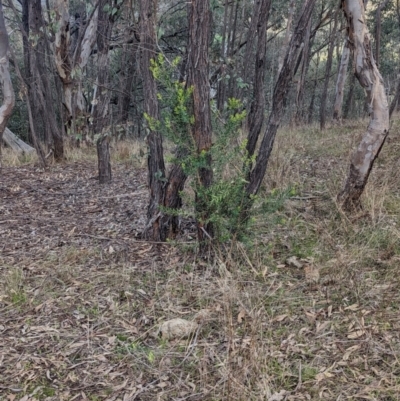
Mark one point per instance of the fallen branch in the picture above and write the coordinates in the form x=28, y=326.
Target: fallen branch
x=15, y=143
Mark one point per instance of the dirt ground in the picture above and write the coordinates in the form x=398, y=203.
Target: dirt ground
x=59, y=231
x=82, y=298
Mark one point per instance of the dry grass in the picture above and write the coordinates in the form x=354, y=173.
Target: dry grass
x=128, y=152
x=80, y=321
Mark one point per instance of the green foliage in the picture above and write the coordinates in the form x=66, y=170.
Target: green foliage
x=225, y=199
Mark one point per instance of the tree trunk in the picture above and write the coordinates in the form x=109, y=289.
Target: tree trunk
x=70, y=63
x=222, y=85
x=256, y=113
x=314, y=93
x=198, y=80
x=128, y=72
x=15, y=143
x=40, y=88
x=173, y=200
x=281, y=58
x=378, y=26
x=249, y=49
x=5, y=79
x=340, y=82
x=328, y=72
x=301, y=85
x=279, y=98
x=395, y=102
x=232, y=81
x=371, y=80
x=156, y=167
x=101, y=115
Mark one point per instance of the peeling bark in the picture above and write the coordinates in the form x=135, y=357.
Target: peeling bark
x=371, y=80
x=71, y=62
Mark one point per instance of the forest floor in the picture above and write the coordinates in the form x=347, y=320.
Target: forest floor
x=307, y=308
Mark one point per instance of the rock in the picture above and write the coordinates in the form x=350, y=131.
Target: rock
x=177, y=328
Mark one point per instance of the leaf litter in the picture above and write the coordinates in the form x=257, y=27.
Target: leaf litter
x=82, y=298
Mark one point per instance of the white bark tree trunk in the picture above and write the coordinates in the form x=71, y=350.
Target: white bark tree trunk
x=371, y=80
x=15, y=143
x=70, y=65
x=5, y=79
x=341, y=80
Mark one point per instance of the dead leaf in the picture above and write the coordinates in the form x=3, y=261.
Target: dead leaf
x=71, y=233
x=121, y=386
x=355, y=334
x=353, y=307
x=241, y=315
x=329, y=310
x=322, y=326
x=280, y=318
x=349, y=351
x=323, y=375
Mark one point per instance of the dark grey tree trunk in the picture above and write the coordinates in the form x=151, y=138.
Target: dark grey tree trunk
x=128, y=73
x=301, y=86
x=313, y=93
x=256, y=113
x=340, y=83
x=328, y=68
x=101, y=115
x=279, y=98
x=198, y=80
x=155, y=161
x=395, y=101
x=40, y=88
x=378, y=28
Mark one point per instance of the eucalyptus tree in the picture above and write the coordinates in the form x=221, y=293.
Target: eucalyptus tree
x=40, y=86
x=258, y=32
x=341, y=81
x=71, y=58
x=5, y=79
x=107, y=14
x=371, y=80
x=155, y=160
x=280, y=96
x=198, y=81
